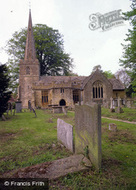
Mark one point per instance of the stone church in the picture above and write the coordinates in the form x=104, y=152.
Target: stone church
x=47, y=91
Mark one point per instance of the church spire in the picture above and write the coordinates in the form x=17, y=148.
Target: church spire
x=30, y=52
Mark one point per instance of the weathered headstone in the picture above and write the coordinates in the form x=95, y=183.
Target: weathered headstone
x=112, y=127
x=88, y=132
x=18, y=106
x=64, y=110
x=111, y=106
x=119, y=109
x=65, y=134
x=119, y=102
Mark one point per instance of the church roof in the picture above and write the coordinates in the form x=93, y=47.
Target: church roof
x=74, y=80
x=117, y=84
x=46, y=80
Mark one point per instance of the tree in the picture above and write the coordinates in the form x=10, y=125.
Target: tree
x=5, y=94
x=130, y=92
x=122, y=74
x=129, y=55
x=49, y=50
x=108, y=74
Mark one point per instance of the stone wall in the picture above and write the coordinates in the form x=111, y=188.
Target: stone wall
x=88, y=132
x=88, y=89
x=67, y=95
x=54, y=97
x=117, y=93
x=130, y=102
x=26, y=80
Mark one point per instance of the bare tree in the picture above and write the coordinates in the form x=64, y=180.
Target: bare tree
x=124, y=77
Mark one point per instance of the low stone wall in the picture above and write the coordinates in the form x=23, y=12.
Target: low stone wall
x=65, y=134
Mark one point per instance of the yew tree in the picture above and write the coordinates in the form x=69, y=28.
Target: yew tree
x=5, y=94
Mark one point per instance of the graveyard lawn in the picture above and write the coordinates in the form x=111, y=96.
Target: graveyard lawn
x=26, y=140
x=129, y=114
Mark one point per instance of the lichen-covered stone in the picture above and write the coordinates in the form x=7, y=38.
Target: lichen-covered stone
x=88, y=132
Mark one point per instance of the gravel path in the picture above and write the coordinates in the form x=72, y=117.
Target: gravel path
x=131, y=122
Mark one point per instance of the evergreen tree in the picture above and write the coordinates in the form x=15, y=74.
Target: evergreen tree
x=129, y=55
x=5, y=94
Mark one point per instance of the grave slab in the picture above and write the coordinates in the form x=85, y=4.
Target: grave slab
x=55, y=169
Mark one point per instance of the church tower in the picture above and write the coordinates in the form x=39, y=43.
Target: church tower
x=29, y=68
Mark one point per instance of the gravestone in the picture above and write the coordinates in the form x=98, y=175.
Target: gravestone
x=112, y=127
x=88, y=132
x=111, y=106
x=18, y=106
x=65, y=134
x=119, y=109
x=64, y=110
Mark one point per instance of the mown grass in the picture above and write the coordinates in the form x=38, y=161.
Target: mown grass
x=129, y=114
x=118, y=170
x=25, y=141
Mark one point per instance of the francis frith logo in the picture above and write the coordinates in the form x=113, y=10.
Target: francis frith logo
x=106, y=21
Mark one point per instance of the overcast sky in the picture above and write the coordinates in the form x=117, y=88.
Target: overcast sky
x=71, y=17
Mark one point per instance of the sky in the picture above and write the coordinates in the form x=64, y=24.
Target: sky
x=71, y=17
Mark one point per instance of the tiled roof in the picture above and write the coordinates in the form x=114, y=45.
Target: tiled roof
x=59, y=79
x=117, y=84
x=47, y=80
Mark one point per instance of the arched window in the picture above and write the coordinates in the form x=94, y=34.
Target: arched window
x=27, y=70
x=97, y=89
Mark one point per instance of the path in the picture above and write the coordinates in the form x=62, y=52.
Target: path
x=131, y=122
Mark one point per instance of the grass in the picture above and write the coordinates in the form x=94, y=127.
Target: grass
x=25, y=141
x=129, y=114
x=118, y=162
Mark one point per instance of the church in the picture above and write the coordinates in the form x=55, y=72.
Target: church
x=49, y=91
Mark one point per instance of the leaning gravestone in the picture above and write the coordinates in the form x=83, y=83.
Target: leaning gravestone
x=65, y=134
x=88, y=132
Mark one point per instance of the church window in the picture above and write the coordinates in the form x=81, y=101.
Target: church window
x=62, y=90
x=97, y=90
x=27, y=70
x=75, y=96
x=44, y=96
